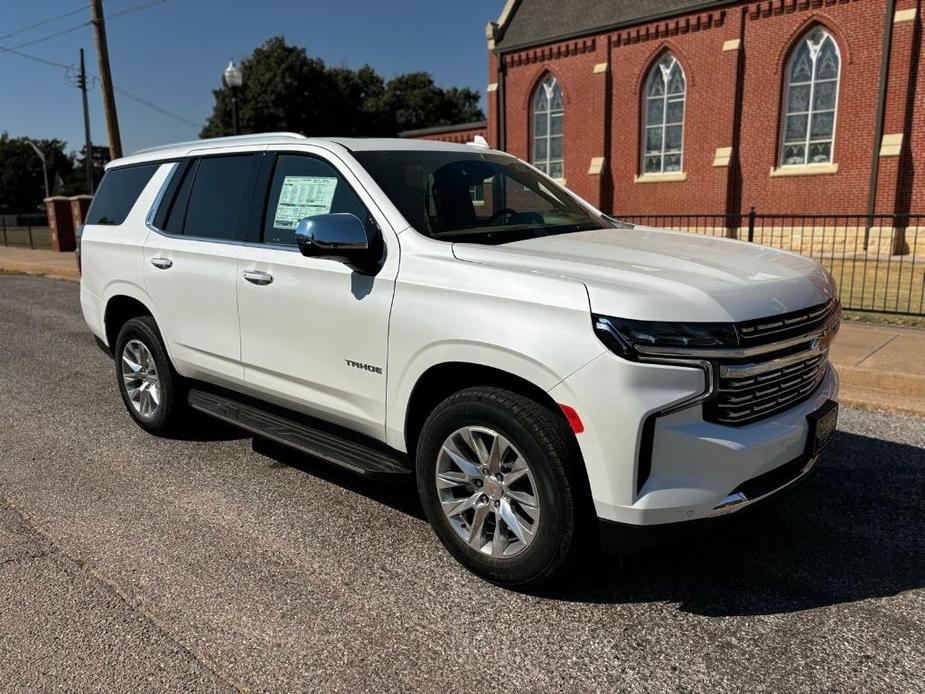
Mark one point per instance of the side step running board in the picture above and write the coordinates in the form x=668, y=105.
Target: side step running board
x=314, y=438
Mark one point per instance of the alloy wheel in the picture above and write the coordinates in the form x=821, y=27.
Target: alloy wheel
x=139, y=373
x=487, y=492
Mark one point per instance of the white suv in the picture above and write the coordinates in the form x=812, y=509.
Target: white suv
x=553, y=378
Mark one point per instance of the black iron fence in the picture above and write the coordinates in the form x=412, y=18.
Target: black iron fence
x=25, y=230
x=878, y=261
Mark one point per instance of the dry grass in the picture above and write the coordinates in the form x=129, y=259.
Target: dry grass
x=879, y=283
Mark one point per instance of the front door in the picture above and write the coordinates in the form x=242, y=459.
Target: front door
x=314, y=333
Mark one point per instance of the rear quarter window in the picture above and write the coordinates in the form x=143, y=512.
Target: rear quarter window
x=118, y=192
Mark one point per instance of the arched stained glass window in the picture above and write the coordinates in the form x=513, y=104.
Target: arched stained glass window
x=548, y=121
x=811, y=100
x=663, y=128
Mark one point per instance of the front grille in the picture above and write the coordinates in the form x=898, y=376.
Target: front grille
x=776, y=379
x=767, y=330
x=742, y=399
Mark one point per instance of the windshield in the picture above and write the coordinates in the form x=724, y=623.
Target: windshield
x=475, y=197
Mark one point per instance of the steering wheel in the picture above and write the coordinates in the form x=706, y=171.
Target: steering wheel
x=500, y=213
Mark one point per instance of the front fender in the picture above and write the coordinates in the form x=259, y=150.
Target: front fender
x=481, y=354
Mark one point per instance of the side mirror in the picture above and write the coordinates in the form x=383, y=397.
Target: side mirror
x=340, y=236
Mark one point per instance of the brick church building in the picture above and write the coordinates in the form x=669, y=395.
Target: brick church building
x=694, y=107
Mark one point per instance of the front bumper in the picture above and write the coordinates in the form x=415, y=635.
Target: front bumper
x=621, y=538
x=696, y=466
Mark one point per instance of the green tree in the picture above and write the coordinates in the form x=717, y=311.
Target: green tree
x=76, y=182
x=21, y=186
x=413, y=101
x=285, y=89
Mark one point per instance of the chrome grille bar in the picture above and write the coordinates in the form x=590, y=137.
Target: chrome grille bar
x=766, y=384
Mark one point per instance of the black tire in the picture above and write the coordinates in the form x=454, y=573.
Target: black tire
x=565, y=528
x=165, y=419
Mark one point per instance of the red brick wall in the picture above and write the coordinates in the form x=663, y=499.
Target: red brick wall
x=458, y=136
x=767, y=31
x=858, y=29
x=711, y=77
x=572, y=63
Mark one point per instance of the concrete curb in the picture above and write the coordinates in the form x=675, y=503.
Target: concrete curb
x=39, y=269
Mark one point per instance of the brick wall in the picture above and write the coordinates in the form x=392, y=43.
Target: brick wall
x=460, y=136
x=734, y=60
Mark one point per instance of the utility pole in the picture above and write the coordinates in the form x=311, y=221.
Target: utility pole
x=88, y=144
x=109, y=99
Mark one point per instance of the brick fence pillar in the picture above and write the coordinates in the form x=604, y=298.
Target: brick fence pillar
x=79, y=206
x=60, y=223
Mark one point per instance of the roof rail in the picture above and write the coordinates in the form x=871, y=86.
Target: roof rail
x=259, y=138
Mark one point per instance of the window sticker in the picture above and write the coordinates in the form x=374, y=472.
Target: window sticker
x=303, y=196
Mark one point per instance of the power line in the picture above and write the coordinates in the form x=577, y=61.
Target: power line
x=82, y=8
x=127, y=95
x=35, y=58
x=50, y=36
x=43, y=23
x=137, y=8
x=77, y=27
x=159, y=109
x=133, y=97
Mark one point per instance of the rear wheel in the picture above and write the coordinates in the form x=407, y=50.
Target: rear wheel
x=499, y=479
x=151, y=390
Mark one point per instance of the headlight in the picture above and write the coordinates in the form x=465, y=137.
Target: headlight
x=630, y=337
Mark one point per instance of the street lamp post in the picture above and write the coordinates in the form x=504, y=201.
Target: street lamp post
x=234, y=78
x=41, y=155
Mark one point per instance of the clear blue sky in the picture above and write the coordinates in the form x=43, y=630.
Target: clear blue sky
x=172, y=53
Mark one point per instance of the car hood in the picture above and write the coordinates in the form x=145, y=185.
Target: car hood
x=654, y=274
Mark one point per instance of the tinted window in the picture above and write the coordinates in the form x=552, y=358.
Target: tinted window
x=219, y=198
x=304, y=186
x=475, y=197
x=118, y=192
x=175, y=214
x=170, y=192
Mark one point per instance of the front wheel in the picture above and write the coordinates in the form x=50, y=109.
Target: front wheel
x=499, y=478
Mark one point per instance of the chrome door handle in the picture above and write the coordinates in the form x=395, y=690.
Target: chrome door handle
x=259, y=278
x=162, y=263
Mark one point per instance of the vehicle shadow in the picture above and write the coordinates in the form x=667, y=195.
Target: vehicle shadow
x=854, y=530
x=399, y=494
x=200, y=427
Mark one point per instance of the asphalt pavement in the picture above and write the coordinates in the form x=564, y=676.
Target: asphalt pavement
x=217, y=562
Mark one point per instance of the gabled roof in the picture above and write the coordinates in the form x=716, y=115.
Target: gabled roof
x=525, y=23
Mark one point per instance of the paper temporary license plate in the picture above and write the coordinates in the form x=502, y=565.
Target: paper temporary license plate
x=822, y=424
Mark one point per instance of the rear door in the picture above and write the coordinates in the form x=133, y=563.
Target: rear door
x=191, y=261
x=314, y=333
